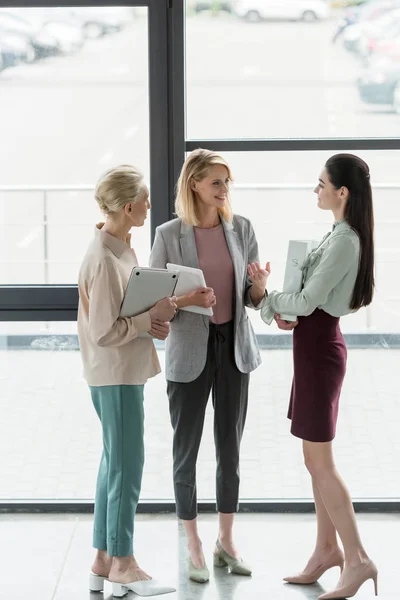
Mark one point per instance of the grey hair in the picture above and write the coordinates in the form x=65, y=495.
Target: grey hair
x=118, y=186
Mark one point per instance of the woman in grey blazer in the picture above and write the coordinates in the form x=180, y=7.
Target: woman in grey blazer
x=205, y=354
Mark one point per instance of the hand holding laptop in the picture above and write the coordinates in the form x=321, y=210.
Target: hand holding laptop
x=194, y=295
x=151, y=290
x=163, y=310
x=159, y=330
x=203, y=297
x=161, y=313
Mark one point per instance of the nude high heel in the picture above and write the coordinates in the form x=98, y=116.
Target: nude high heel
x=309, y=578
x=361, y=575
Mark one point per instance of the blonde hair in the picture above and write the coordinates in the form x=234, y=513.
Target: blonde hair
x=117, y=187
x=195, y=167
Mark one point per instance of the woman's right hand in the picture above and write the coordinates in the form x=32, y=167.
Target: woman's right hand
x=163, y=310
x=203, y=297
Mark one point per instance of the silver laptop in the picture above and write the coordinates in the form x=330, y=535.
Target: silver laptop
x=145, y=288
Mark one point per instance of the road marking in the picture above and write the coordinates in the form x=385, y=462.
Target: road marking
x=106, y=157
x=131, y=132
x=250, y=70
x=24, y=243
x=123, y=70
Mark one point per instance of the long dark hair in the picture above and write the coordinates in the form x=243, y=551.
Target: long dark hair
x=347, y=170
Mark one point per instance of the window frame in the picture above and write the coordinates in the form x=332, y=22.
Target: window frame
x=168, y=145
x=167, y=150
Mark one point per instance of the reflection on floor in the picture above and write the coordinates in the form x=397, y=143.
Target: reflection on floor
x=47, y=557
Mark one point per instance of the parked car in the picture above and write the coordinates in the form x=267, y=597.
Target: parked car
x=346, y=3
x=380, y=84
x=100, y=20
x=47, y=38
x=14, y=49
x=379, y=34
x=387, y=48
x=65, y=30
x=203, y=5
x=370, y=31
x=288, y=10
x=41, y=41
x=362, y=18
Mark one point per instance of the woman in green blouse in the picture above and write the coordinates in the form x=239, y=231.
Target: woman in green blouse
x=338, y=278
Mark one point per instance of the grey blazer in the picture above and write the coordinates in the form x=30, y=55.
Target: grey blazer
x=186, y=346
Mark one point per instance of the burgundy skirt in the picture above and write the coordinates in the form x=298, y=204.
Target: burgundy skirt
x=319, y=356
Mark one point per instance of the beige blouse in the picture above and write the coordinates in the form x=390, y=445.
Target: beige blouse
x=112, y=353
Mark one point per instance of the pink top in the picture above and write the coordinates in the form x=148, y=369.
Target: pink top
x=216, y=263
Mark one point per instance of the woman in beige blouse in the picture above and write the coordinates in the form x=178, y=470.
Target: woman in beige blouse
x=117, y=363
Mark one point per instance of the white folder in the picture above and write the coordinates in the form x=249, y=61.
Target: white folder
x=298, y=250
x=190, y=279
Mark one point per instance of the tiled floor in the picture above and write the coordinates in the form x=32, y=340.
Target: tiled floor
x=47, y=557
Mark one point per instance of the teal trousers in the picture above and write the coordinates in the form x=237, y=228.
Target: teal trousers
x=121, y=412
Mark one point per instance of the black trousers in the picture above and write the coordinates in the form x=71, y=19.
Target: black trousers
x=187, y=405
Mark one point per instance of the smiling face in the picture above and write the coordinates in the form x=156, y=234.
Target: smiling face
x=329, y=198
x=213, y=189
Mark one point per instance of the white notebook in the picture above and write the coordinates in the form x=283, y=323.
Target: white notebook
x=190, y=279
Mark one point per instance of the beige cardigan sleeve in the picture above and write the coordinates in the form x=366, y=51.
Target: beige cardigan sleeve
x=106, y=293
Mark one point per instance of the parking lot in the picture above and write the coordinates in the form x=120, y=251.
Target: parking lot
x=274, y=80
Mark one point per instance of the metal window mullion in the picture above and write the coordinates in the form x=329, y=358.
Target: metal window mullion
x=159, y=113
x=167, y=105
x=177, y=95
x=294, y=145
x=71, y=3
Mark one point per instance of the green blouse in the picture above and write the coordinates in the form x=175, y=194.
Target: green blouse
x=329, y=275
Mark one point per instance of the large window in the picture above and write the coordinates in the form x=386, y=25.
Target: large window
x=276, y=93
x=277, y=89
x=268, y=72
x=74, y=105
x=80, y=92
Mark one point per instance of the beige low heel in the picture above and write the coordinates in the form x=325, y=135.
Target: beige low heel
x=219, y=562
x=201, y=575
x=236, y=565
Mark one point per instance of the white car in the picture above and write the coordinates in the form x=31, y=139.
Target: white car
x=290, y=10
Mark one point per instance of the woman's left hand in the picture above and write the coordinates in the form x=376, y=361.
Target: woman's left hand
x=159, y=330
x=285, y=325
x=258, y=275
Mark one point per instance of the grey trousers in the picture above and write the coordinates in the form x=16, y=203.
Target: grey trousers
x=187, y=405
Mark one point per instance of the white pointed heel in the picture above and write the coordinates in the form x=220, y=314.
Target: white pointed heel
x=141, y=588
x=96, y=582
